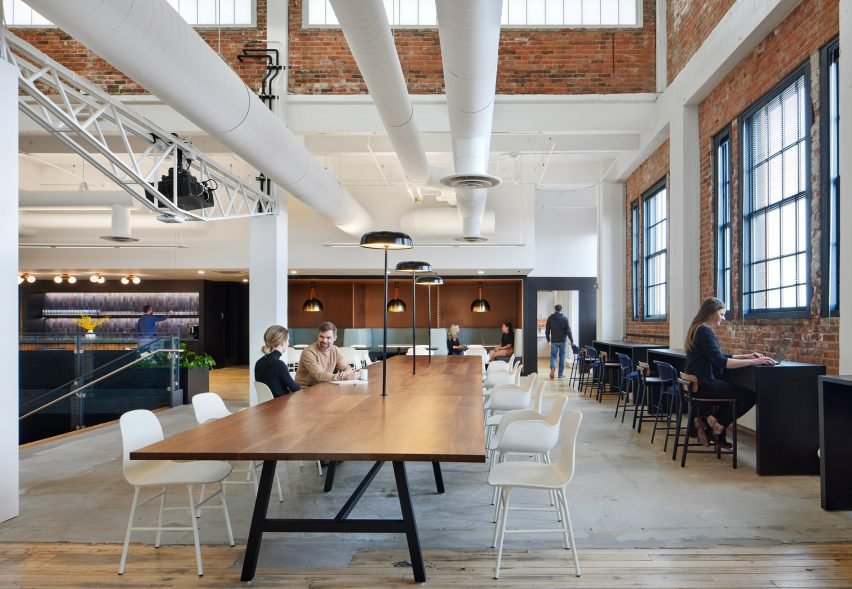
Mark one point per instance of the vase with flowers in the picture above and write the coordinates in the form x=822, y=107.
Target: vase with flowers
x=89, y=324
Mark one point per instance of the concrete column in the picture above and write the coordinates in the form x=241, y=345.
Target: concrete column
x=267, y=278
x=9, y=506
x=845, y=253
x=684, y=211
x=611, y=265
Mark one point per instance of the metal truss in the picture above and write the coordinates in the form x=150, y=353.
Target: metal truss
x=84, y=117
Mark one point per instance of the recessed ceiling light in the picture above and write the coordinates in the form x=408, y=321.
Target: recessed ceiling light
x=294, y=271
x=480, y=271
x=245, y=279
x=201, y=271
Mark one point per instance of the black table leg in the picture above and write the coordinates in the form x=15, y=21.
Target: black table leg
x=258, y=518
x=329, y=476
x=359, y=492
x=439, y=478
x=409, y=523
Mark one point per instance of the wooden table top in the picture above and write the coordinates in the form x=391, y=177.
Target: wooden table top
x=434, y=416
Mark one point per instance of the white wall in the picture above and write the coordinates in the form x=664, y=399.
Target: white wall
x=9, y=506
x=566, y=233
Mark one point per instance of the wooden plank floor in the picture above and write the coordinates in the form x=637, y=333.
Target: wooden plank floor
x=231, y=383
x=58, y=565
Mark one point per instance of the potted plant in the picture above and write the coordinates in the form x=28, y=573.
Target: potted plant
x=89, y=324
x=194, y=373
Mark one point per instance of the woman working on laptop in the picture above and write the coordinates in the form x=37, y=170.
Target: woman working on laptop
x=705, y=360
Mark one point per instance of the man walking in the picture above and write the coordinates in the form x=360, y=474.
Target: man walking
x=557, y=331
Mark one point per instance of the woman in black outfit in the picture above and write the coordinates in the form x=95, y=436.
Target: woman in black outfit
x=705, y=361
x=507, y=343
x=454, y=347
x=271, y=369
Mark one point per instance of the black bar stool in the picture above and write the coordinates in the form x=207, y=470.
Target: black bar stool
x=669, y=402
x=689, y=386
x=629, y=383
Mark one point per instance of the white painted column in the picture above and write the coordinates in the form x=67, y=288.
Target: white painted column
x=845, y=252
x=684, y=216
x=267, y=278
x=611, y=304
x=662, y=46
x=9, y=504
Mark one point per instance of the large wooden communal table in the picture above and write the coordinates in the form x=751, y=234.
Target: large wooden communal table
x=435, y=416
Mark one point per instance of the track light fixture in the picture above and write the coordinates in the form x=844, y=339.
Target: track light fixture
x=97, y=278
x=131, y=278
x=69, y=278
x=26, y=276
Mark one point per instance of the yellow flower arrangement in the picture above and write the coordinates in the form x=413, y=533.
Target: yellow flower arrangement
x=88, y=323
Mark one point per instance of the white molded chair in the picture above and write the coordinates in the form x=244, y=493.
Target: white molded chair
x=418, y=351
x=352, y=357
x=510, y=398
x=504, y=365
x=209, y=406
x=478, y=351
x=293, y=357
x=498, y=377
x=265, y=394
x=545, y=477
x=140, y=428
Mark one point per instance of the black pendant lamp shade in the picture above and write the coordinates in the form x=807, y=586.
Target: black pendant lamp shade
x=387, y=240
x=480, y=305
x=313, y=304
x=396, y=304
x=414, y=267
x=429, y=280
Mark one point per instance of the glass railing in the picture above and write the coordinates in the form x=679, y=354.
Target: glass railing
x=53, y=365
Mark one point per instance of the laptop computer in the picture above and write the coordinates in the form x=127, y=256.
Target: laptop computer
x=782, y=351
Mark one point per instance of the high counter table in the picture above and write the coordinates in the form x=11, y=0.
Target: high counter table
x=435, y=416
x=638, y=352
x=787, y=414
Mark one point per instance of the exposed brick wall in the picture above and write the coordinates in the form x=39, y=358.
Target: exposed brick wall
x=75, y=56
x=797, y=40
x=688, y=23
x=532, y=61
x=652, y=170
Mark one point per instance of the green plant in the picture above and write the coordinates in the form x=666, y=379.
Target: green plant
x=189, y=359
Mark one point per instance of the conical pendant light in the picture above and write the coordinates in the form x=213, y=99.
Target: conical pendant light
x=396, y=304
x=480, y=305
x=313, y=304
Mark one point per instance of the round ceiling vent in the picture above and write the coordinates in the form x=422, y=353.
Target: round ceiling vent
x=472, y=239
x=471, y=181
x=119, y=238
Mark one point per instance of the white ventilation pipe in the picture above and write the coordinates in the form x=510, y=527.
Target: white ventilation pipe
x=440, y=222
x=152, y=44
x=365, y=26
x=470, y=38
x=74, y=199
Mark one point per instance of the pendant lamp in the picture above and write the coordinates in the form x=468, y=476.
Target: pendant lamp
x=396, y=304
x=480, y=305
x=313, y=304
x=430, y=281
x=413, y=268
x=386, y=240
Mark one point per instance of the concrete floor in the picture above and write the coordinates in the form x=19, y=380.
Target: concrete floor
x=626, y=493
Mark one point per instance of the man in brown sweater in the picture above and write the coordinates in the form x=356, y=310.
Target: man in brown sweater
x=321, y=361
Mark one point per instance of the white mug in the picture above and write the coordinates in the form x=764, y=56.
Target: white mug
x=362, y=374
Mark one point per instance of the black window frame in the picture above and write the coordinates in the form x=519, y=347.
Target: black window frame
x=723, y=199
x=830, y=268
x=803, y=71
x=634, y=256
x=650, y=194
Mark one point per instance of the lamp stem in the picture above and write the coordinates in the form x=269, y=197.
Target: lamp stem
x=413, y=323
x=385, y=333
x=429, y=314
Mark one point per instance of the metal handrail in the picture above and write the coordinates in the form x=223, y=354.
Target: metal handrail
x=143, y=356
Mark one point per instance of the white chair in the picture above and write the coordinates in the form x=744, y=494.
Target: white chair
x=140, y=428
x=265, y=394
x=504, y=365
x=478, y=351
x=498, y=377
x=545, y=477
x=210, y=406
x=509, y=398
x=352, y=357
x=293, y=357
x=418, y=351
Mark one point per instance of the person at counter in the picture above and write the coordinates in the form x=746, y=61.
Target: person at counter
x=321, y=361
x=271, y=368
x=147, y=322
x=454, y=347
x=507, y=343
x=705, y=361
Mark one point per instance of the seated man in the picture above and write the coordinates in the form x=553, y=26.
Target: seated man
x=321, y=361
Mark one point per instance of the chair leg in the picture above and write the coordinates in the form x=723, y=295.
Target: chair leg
x=570, y=532
x=224, y=503
x=319, y=468
x=160, y=519
x=129, y=528
x=734, y=438
x=200, y=499
x=502, y=532
x=686, y=435
x=278, y=485
x=191, y=493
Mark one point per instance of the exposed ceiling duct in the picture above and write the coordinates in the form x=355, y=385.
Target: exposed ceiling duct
x=81, y=200
x=470, y=38
x=120, y=225
x=366, y=28
x=153, y=45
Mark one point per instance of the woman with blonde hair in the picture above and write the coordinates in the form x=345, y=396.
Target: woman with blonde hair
x=271, y=369
x=705, y=361
x=454, y=347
